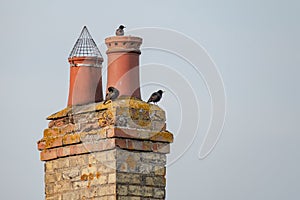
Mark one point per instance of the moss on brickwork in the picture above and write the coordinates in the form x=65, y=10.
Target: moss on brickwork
x=114, y=151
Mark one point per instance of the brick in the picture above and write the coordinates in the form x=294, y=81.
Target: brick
x=97, y=157
x=101, y=179
x=93, y=135
x=110, y=155
x=131, y=162
x=160, y=170
x=41, y=145
x=78, y=149
x=89, y=126
x=122, y=167
x=154, y=158
x=149, y=180
x=146, y=146
x=158, y=115
x=121, y=121
x=109, y=144
x=162, y=137
x=63, y=151
x=53, y=142
x=146, y=168
x=145, y=124
x=135, y=190
x=134, y=145
x=157, y=126
x=62, y=186
x=61, y=163
x=107, y=167
x=106, y=190
x=51, y=132
x=144, y=134
x=122, y=189
x=100, y=145
x=161, y=148
x=77, y=161
x=128, y=133
x=50, y=178
x=70, y=174
x=49, y=189
x=77, y=185
x=128, y=178
x=121, y=143
x=49, y=166
x=61, y=122
x=147, y=191
x=159, y=193
x=71, y=139
x=154, y=147
x=58, y=176
x=122, y=133
x=89, y=169
x=69, y=128
x=48, y=154
x=94, y=146
x=155, y=181
x=112, y=178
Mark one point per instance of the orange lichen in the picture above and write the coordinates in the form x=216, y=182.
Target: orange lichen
x=163, y=136
x=98, y=174
x=91, y=176
x=84, y=177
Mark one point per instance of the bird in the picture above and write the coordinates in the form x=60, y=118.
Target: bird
x=112, y=94
x=155, y=97
x=120, y=30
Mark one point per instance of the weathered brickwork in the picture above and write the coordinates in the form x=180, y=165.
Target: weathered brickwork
x=113, y=151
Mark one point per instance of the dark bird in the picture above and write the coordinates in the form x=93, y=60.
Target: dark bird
x=120, y=30
x=112, y=94
x=155, y=97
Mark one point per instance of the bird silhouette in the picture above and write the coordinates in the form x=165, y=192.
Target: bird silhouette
x=112, y=94
x=120, y=30
x=155, y=97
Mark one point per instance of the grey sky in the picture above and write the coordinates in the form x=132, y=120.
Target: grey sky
x=255, y=45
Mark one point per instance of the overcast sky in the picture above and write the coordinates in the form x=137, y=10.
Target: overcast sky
x=254, y=44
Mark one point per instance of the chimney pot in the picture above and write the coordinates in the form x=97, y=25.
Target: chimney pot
x=123, y=64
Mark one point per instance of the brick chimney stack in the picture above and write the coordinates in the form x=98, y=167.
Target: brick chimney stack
x=85, y=71
x=113, y=151
x=123, y=64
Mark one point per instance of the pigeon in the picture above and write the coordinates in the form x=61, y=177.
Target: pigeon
x=120, y=30
x=155, y=97
x=112, y=94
